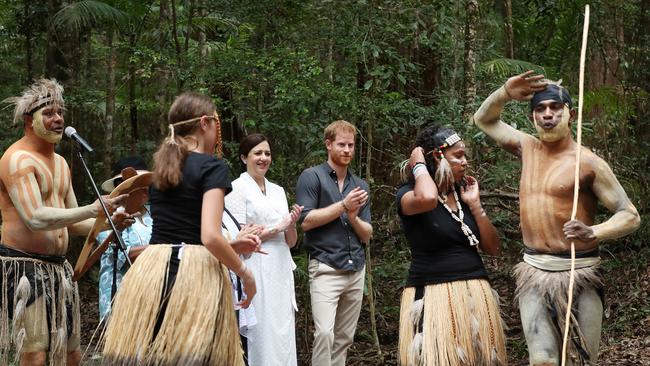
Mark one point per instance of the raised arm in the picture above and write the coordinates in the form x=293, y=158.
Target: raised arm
x=488, y=116
x=424, y=196
x=490, y=242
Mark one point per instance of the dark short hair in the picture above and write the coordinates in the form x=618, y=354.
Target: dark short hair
x=249, y=142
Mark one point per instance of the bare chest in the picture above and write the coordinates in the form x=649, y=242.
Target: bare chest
x=552, y=176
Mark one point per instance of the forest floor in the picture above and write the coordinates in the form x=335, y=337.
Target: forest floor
x=626, y=327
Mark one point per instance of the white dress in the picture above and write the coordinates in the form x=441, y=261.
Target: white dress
x=273, y=339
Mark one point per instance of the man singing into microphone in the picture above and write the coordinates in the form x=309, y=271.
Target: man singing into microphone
x=39, y=211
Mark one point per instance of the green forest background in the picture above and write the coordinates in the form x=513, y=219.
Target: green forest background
x=287, y=68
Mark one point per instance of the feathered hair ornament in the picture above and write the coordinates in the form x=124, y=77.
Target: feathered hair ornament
x=41, y=93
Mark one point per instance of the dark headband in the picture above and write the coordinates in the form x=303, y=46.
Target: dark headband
x=552, y=92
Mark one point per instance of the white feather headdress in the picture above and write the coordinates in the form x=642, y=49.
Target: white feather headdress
x=41, y=93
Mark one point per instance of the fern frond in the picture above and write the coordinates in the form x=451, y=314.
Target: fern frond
x=503, y=67
x=86, y=14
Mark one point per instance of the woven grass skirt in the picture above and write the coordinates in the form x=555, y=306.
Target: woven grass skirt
x=158, y=320
x=454, y=323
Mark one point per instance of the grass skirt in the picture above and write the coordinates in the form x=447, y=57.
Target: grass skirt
x=193, y=323
x=455, y=323
x=47, y=291
x=552, y=287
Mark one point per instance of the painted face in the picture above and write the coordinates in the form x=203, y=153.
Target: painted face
x=455, y=155
x=48, y=123
x=341, y=150
x=551, y=119
x=258, y=159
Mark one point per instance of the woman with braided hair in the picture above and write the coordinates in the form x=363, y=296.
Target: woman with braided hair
x=449, y=314
x=175, y=304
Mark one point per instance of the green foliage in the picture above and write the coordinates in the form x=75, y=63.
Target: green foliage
x=287, y=68
x=88, y=14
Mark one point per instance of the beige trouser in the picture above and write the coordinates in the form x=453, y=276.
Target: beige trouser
x=336, y=297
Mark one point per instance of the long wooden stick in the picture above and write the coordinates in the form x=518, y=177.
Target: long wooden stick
x=576, y=186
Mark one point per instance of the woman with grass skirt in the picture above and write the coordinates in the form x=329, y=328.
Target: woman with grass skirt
x=449, y=313
x=175, y=305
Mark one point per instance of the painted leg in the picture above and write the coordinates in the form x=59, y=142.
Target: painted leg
x=32, y=359
x=590, y=319
x=539, y=331
x=74, y=357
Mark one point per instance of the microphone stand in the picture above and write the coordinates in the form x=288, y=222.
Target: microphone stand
x=120, y=242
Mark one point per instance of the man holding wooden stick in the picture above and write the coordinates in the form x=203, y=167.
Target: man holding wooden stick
x=546, y=198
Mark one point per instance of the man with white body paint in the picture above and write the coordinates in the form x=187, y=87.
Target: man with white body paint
x=39, y=211
x=546, y=201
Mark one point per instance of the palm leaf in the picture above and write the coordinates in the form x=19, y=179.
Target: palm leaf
x=86, y=14
x=503, y=67
x=213, y=22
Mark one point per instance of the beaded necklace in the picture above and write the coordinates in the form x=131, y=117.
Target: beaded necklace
x=459, y=218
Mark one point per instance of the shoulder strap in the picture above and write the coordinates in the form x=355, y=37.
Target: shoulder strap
x=233, y=219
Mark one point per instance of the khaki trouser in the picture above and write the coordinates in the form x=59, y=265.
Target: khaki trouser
x=336, y=297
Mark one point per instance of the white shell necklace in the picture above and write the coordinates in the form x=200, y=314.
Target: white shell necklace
x=459, y=218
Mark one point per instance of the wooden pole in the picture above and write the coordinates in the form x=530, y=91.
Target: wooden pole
x=576, y=186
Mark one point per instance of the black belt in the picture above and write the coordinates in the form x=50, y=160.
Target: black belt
x=6, y=251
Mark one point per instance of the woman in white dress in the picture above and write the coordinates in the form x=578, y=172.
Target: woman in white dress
x=255, y=200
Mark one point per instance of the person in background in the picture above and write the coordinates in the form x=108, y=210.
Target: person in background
x=256, y=200
x=336, y=221
x=135, y=237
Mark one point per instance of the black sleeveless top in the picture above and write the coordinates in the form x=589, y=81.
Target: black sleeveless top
x=440, y=252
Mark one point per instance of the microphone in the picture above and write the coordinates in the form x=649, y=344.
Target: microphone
x=73, y=135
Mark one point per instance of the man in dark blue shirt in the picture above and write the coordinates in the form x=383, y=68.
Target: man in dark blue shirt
x=336, y=221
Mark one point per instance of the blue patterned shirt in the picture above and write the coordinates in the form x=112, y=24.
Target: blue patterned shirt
x=135, y=235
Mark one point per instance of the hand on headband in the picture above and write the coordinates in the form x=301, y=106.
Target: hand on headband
x=523, y=86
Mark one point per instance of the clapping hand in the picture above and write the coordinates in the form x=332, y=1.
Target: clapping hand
x=355, y=200
x=248, y=240
x=290, y=219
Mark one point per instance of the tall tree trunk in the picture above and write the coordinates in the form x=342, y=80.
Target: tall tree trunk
x=469, y=84
x=55, y=63
x=163, y=95
x=510, y=38
x=177, y=44
x=27, y=29
x=369, y=276
x=201, y=39
x=133, y=108
x=110, y=103
x=188, y=32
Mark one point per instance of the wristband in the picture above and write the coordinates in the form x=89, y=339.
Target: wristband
x=419, y=170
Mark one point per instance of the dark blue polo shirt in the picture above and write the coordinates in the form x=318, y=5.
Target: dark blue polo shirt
x=335, y=243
